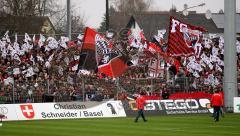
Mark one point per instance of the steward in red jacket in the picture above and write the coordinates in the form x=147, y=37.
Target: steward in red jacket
x=140, y=105
x=216, y=103
x=140, y=102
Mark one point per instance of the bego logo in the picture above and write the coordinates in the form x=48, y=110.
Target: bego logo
x=178, y=104
x=27, y=111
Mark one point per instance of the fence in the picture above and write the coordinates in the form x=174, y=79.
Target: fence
x=91, y=88
x=74, y=89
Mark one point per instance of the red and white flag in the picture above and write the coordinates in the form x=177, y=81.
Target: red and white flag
x=114, y=68
x=94, y=47
x=183, y=37
x=98, y=53
x=136, y=37
x=154, y=66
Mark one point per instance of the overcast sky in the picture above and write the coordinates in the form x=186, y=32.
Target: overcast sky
x=94, y=10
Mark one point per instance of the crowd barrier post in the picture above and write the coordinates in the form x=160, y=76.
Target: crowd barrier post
x=83, y=88
x=118, y=86
x=152, y=85
x=13, y=91
x=48, y=86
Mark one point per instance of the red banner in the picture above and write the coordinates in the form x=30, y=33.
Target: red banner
x=183, y=37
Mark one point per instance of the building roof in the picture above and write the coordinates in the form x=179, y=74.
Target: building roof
x=150, y=22
x=21, y=25
x=218, y=19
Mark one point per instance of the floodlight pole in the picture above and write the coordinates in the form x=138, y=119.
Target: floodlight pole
x=107, y=15
x=200, y=5
x=230, y=62
x=69, y=33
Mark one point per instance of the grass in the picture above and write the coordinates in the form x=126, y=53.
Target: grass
x=178, y=125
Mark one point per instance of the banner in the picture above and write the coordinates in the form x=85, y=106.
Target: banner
x=183, y=37
x=115, y=67
x=87, y=55
x=68, y=110
x=171, y=107
x=98, y=53
x=8, y=111
x=236, y=104
x=136, y=37
x=154, y=67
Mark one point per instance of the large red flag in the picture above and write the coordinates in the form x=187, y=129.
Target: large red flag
x=97, y=53
x=114, y=68
x=94, y=49
x=183, y=37
x=87, y=59
x=154, y=48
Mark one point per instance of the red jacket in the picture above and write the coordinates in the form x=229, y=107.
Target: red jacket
x=217, y=99
x=140, y=102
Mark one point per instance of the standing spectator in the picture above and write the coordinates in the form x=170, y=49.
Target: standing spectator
x=221, y=108
x=140, y=105
x=28, y=100
x=216, y=103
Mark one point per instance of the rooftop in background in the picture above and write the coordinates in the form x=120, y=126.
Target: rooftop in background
x=219, y=21
x=26, y=24
x=150, y=22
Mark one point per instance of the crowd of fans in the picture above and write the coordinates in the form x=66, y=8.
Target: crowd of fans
x=202, y=71
x=38, y=69
x=41, y=68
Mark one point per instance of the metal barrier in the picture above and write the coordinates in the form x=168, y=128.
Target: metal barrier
x=49, y=90
x=92, y=88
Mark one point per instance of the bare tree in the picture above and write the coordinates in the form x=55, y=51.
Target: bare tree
x=112, y=12
x=28, y=7
x=77, y=24
x=132, y=6
x=126, y=8
x=51, y=8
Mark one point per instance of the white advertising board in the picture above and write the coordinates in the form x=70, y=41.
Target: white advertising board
x=68, y=110
x=236, y=104
x=9, y=112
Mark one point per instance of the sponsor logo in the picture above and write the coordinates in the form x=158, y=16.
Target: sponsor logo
x=238, y=107
x=236, y=104
x=27, y=111
x=185, y=105
x=3, y=110
x=69, y=106
x=181, y=104
x=109, y=105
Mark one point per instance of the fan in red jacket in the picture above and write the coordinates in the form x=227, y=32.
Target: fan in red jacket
x=216, y=103
x=140, y=105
